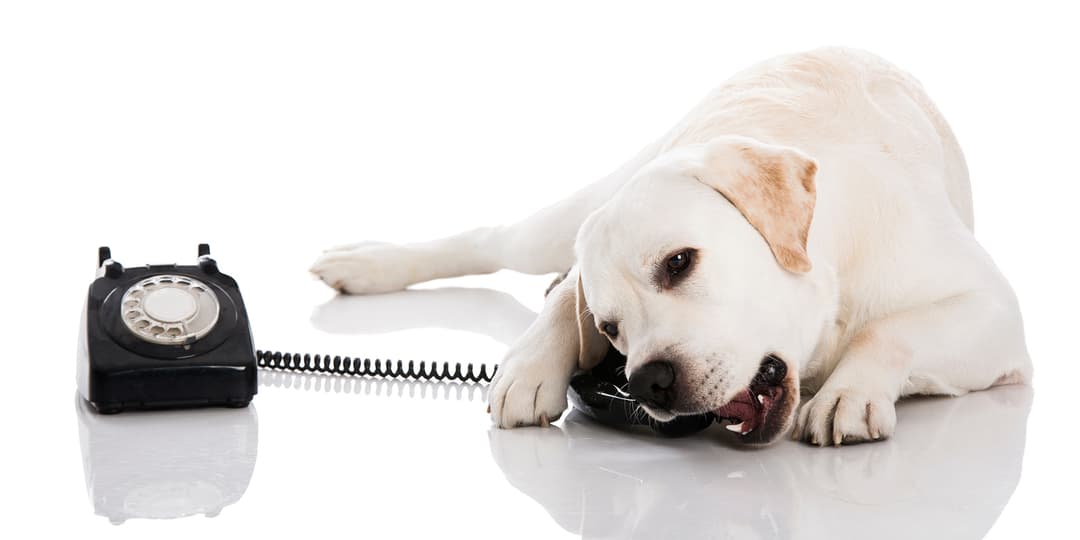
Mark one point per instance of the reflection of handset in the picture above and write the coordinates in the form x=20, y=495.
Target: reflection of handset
x=162, y=336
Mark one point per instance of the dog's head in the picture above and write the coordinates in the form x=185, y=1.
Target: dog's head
x=698, y=272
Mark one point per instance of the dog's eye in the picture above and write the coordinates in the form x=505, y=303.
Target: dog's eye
x=674, y=268
x=611, y=329
x=679, y=262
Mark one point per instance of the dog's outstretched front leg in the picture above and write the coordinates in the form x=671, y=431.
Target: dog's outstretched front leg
x=967, y=342
x=539, y=244
x=530, y=386
x=380, y=267
x=542, y=243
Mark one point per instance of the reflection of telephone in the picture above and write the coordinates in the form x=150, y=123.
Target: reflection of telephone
x=169, y=465
x=167, y=336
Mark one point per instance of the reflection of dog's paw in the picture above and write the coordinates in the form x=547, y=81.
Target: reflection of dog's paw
x=367, y=268
x=845, y=416
x=529, y=453
x=527, y=393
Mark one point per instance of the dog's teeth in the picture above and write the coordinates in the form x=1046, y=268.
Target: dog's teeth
x=737, y=428
x=760, y=398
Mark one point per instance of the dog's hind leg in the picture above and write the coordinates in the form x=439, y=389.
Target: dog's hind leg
x=541, y=243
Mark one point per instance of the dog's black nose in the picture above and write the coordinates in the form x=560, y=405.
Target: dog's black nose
x=654, y=384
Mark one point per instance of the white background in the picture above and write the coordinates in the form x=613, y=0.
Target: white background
x=275, y=129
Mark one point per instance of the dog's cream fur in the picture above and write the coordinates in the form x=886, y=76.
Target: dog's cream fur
x=888, y=294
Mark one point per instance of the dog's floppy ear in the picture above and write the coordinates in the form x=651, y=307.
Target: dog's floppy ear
x=592, y=346
x=773, y=187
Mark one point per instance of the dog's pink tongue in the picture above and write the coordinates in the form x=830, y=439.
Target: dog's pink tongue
x=742, y=412
x=736, y=410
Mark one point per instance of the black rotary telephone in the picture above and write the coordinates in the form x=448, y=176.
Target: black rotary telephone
x=172, y=336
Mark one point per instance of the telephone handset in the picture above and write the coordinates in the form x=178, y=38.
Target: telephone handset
x=170, y=336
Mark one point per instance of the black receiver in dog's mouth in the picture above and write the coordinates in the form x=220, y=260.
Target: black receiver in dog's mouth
x=758, y=413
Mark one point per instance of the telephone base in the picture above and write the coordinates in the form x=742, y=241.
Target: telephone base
x=163, y=337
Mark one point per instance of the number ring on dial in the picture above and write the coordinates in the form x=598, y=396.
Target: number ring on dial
x=169, y=309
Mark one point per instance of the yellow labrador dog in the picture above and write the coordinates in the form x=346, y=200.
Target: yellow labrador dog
x=807, y=228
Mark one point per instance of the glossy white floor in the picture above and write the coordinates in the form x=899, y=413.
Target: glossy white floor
x=420, y=459
x=317, y=454
x=274, y=130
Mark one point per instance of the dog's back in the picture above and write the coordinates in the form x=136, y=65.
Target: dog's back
x=846, y=107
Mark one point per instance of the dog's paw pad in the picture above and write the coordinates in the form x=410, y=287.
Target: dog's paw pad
x=835, y=417
x=526, y=397
x=366, y=269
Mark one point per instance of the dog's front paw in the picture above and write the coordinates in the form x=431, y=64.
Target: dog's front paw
x=527, y=393
x=366, y=268
x=845, y=416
